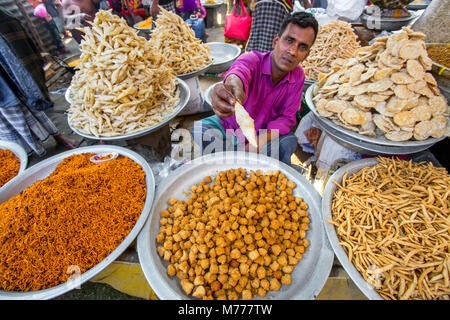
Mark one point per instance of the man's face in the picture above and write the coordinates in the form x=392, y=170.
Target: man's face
x=292, y=47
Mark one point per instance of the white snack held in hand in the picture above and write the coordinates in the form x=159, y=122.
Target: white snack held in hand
x=246, y=123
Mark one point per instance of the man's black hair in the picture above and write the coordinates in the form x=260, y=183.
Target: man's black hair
x=303, y=20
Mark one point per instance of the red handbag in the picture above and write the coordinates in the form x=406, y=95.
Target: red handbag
x=236, y=26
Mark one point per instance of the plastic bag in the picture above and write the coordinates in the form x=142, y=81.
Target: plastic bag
x=349, y=9
x=434, y=22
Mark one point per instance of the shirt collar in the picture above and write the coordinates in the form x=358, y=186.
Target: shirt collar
x=266, y=69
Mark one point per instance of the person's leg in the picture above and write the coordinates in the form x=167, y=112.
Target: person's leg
x=210, y=136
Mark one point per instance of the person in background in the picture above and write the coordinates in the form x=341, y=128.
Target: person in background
x=267, y=17
x=319, y=4
x=168, y=5
x=40, y=11
x=54, y=9
x=76, y=13
x=269, y=86
x=306, y=3
x=23, y=92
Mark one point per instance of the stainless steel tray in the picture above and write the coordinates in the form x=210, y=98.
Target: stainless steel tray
x=327, y=198
x=184, y=98
x=309, y=276
x=365, y=147
x=195, y=73
x=378, y=140
x=224, y=54
x=44, y=168
x=20, y=153
x=388, y=24
x=208, y=93
x=215, y=5
x=307, y=84
x=142, y=31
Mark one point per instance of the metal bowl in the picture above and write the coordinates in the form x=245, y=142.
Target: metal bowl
x=307, y=84
x=184, y=98
x=195, y=73
x=327, y=198
x=410, y=146
x=20, y=153
x=43, y=169
x=312, y=271
x=143, y=32
x=418, y=6
x=208, y=94
x=388, y=24
x=68, y=95
x=224, y=54
x=212, y=5
x=363, y=147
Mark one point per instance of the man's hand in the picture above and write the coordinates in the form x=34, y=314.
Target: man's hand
x=154, y=9
x=224, y=96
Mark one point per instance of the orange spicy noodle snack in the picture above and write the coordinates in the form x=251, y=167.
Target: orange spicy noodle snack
x=9, y=166
x=73, y=218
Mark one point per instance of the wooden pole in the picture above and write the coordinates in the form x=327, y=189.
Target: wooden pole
x=31, y=25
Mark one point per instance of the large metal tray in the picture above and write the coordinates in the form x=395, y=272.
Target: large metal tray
x=195, y=73
x=224, y=54
x=309, y=276
x=213, y=5
x=365, y=147
x=208, y=93
x=388, y=24
x=184, y=98
x=327, y=198
x=20, y=153
x=382, y=141
x=43, y=169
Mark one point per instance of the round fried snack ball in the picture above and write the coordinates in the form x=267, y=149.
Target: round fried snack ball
x=238, y=235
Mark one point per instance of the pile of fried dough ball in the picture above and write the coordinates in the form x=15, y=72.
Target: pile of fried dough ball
x=238, y=237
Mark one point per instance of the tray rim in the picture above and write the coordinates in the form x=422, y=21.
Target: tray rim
x=378, y=141
x=327, y=198
x=150, y=266
x=20, y=153
x=62, y=288
x=180, y=106
x=217, y=65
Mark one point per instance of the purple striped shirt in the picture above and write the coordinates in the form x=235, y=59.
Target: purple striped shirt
x=271, y=107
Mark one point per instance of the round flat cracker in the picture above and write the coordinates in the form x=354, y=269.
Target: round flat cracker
x=405, y=119
x=410, y=50
x=401, y=135
x=401, y=77
x=382, y=73
x=380, y=85
x=402, y=92
x=415, y=69
x=423, y=130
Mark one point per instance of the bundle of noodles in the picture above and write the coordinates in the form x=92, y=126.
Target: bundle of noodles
x=174, y=38
x=335, y=40
x=123, y=85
